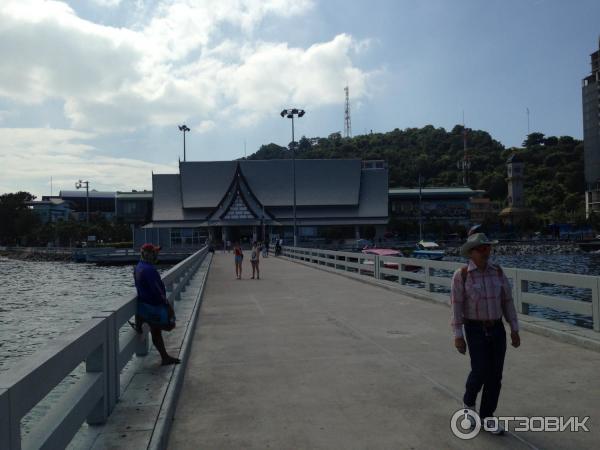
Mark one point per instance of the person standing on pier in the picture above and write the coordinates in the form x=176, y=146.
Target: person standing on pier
x=480, y=296
x=254, y=260
x=238, y=257
x=153, y=306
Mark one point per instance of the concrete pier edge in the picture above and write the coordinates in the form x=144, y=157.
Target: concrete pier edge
x=538, y=325
x=162, y=428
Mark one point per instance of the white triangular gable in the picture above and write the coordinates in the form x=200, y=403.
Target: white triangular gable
x=238, y=210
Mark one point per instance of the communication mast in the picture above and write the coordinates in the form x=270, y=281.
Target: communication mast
x=347, y=122
x=465, y=164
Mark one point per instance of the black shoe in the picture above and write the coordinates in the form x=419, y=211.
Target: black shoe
x=170, y=360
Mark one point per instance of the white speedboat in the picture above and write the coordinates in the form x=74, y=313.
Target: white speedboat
x=428, y=250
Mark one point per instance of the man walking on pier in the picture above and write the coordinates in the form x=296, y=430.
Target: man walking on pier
x=153, y=307
x=480, y=296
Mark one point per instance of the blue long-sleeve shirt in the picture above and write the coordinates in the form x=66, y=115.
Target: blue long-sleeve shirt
x=150, y=288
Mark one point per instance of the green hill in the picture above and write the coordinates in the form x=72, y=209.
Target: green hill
x=554, y=185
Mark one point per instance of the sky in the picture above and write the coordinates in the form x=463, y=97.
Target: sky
x=95, y=89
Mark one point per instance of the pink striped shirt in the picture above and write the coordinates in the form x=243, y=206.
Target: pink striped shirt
x=485, y=295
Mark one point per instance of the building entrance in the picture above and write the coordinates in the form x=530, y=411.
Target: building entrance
x=243, y=235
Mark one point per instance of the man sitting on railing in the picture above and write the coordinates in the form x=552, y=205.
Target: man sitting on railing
x=480, y=296
x=153, y=307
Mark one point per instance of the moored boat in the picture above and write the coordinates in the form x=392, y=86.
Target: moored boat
x=428, y=250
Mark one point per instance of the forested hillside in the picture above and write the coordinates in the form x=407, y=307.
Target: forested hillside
x=554, y=185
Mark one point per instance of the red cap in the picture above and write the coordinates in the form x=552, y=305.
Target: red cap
x=150, y=248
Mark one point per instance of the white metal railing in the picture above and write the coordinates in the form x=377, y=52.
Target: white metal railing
x=424, y=272
x=105, y=351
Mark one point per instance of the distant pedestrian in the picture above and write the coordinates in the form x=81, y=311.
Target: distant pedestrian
x=254, y=260
x=228, y=246
x=277, y=248
x=153, y=307
x=238, y=256
x=266, y=249
x=480, y=296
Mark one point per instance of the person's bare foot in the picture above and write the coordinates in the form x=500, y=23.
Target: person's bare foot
x=170, y=360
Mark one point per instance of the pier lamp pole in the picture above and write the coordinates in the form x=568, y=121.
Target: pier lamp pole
x=289, y=114
x=79, y=185
x=183, y=128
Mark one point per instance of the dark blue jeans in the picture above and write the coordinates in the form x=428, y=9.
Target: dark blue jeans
x=487, y=347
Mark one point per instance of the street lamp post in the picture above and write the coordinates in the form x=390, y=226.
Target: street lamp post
x=79, y=185
x=290, y=113
x=183, y=128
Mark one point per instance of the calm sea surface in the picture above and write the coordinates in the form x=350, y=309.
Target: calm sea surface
x=40, y=300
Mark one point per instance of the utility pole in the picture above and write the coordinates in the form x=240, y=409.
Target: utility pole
x=185, y=129
x=290, y=113
x=79, y=185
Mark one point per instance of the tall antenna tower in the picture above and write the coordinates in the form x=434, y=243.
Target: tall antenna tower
x=347, y=122
x=465, y=164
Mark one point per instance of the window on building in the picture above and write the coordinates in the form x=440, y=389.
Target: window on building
x=186, y=237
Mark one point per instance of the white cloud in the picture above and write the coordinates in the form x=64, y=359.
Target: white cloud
x=107, y=3
x=30, y=156
x=116, y=79
x=174, y=65
x=205, y=126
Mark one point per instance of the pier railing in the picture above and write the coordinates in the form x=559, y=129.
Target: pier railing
x=104, y=349
x=433, y=279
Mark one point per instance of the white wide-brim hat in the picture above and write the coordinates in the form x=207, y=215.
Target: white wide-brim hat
x=475, y=240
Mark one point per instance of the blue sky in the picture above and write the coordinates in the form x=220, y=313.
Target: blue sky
x=95, y=89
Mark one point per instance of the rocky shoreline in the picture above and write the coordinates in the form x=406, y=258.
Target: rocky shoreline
x=33, y=255
x=517, y=249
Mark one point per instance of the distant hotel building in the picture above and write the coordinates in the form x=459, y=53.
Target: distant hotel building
x=591, y=134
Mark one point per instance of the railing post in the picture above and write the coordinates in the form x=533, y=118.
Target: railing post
x=523, y=287
x=10, y=427
x=596, y=306
x=428, y=285
x=112, y=368
x=4, y=420
x=401, y=268
x=98, y=362
x=377, y=270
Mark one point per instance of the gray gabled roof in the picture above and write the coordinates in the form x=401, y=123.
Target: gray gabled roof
x=322, y=182
x=318, y=182
x=203, y=184
x=166, y=193
x=326, y=189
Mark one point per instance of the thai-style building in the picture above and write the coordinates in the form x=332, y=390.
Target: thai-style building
x=253, y=199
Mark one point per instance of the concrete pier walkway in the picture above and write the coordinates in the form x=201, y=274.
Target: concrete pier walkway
x=305, y=359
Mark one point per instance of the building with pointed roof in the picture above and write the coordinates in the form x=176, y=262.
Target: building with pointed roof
x=253, y=199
